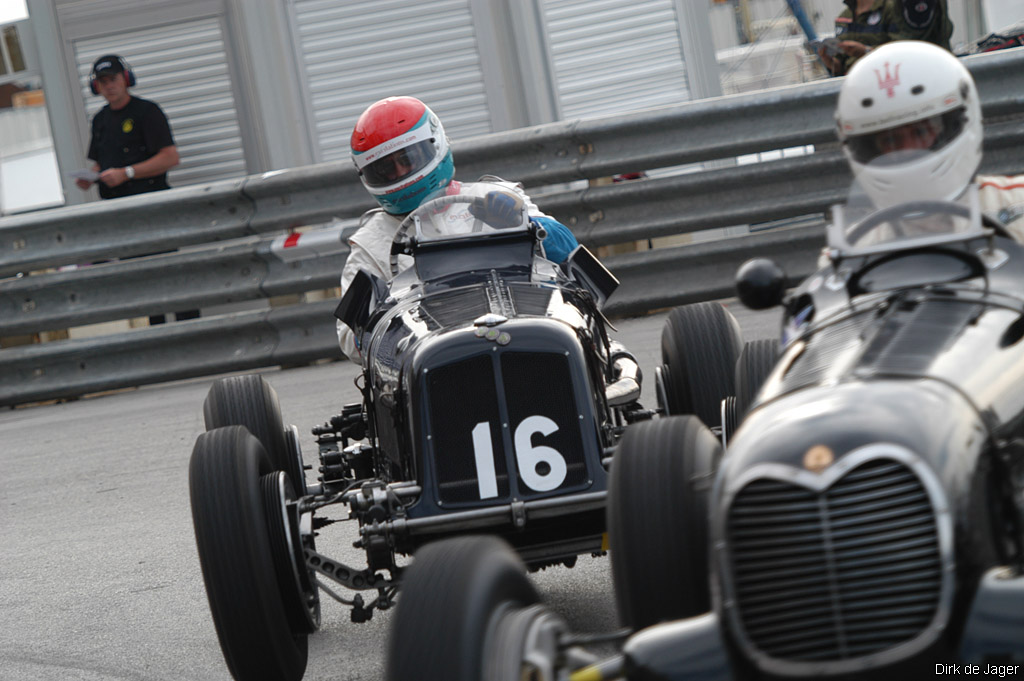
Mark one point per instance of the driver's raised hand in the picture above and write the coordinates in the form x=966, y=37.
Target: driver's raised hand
x=500, y=209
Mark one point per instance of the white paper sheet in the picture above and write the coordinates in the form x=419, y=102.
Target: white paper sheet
x=85, y=174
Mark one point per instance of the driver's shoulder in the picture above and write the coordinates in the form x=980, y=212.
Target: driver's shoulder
x=1001, y=185
x=1003, y=197
x=376, y=225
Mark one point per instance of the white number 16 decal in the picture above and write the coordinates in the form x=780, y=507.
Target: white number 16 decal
x=528, y=457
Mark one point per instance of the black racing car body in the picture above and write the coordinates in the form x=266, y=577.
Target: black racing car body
x=488, y=390
x=490, y=384
x=868, y=515
x=492, y=400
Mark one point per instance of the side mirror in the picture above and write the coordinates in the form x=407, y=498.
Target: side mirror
x=357, y=304
x=588, y=271
x=760, y=284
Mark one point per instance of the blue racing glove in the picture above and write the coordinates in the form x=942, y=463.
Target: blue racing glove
x=500, y=210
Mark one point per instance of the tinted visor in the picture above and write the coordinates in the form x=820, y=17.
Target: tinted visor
x=927, y=134
x=400, y=164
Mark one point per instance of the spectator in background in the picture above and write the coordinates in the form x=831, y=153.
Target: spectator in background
x=131, y=144
x=866, y=24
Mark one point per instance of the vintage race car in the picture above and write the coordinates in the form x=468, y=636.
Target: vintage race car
x=864, y=521
x=492, y=400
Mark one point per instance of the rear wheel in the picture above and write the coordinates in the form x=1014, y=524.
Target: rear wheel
x=466, y=613
x=251, y=402
x=240, y=550
x=658, y=520
x=699, y=347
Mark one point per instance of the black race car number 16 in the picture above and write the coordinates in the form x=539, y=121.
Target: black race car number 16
x=528, y=457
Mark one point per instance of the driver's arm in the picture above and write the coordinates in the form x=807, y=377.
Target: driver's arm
x=559, y=242
x=370, y=251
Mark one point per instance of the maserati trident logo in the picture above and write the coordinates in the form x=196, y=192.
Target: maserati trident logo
x=818, y=458
x=890, y=81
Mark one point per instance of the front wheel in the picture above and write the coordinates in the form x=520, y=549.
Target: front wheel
x=755, y=363
x=251, y=402
x=699, y=347
x=658, y=520
x=230, y=479
x=468, y=612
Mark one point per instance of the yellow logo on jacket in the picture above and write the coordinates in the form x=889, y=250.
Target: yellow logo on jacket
x=128, y=125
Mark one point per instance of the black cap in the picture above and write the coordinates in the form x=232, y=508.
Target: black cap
x=109, y=63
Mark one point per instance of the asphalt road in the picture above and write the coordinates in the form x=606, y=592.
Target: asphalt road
x=99, y=577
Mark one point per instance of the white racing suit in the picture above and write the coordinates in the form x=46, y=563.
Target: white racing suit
x=370, y=250
x=1002, y=197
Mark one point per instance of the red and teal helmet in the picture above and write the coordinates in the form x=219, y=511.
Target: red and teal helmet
x=401, y=152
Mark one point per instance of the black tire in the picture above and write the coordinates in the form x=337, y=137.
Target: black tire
x=658, y=520
x=756, y=361
x=251, y=402
x=449, y=596
x=237, y=559
x=699, y=347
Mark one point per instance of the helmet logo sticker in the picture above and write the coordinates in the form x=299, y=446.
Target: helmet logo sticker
x=890, y=81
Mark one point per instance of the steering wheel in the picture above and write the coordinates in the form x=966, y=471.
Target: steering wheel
x=896, y=212
x=399, y=242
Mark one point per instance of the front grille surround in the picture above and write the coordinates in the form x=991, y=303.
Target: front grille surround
x=502, y=388
x=809, y=486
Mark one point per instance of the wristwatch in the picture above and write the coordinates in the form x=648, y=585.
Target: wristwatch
x=129, y=172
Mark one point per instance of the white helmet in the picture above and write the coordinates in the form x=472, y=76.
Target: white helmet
x=909, y=119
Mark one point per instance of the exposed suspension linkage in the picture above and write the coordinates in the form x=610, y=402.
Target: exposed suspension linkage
x=356, y=580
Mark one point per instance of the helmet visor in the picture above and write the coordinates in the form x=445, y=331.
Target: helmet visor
x=907, y=142
x=400, y=164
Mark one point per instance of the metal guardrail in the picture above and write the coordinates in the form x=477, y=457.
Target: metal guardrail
x=252, y=207
x=175, y=281
x=665, y=277
x=200, y=347
x=543, y=155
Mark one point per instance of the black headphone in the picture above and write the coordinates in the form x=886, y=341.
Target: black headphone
x=125, y=68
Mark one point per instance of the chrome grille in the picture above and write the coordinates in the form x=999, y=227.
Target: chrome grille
x=846, y=572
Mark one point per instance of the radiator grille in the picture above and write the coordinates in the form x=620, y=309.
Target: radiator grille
x=828, y=576
x=464, y=395
x=540, y=384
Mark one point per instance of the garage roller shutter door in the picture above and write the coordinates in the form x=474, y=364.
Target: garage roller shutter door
x=359, y=51
x=611, y=56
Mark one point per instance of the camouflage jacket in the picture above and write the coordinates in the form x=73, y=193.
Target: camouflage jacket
x=889, y=20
